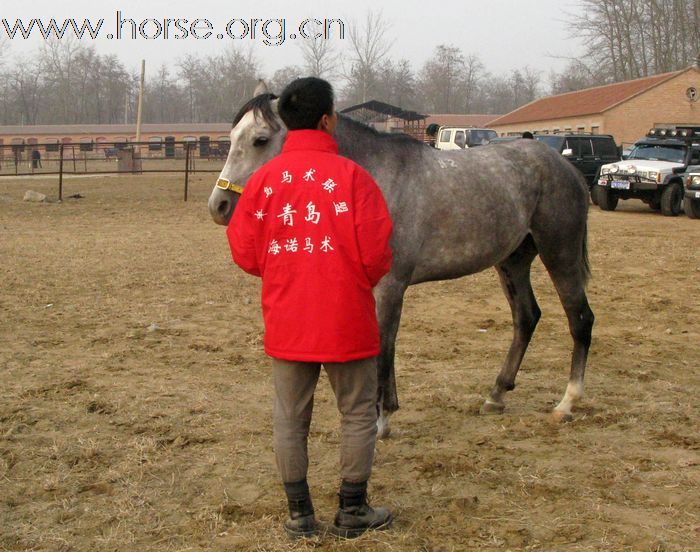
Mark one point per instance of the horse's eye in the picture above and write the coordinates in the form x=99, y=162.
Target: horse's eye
x=261, y=141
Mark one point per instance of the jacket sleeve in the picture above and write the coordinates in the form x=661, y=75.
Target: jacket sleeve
x=373, y=227
x=241, y=233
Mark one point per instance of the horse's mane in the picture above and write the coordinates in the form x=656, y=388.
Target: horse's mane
x=260, y=105
x=398, y=138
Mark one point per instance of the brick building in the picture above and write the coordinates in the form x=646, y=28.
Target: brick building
x=627, y=110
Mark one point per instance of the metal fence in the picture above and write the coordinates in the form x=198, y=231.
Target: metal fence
x=90, y=158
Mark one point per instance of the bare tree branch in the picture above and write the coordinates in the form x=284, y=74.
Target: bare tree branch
x=320, y=57
x=369, y=46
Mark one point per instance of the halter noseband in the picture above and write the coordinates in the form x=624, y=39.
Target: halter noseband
x=224, y=184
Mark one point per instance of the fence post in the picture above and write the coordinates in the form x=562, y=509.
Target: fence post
x=187, y=167
x=60, y=173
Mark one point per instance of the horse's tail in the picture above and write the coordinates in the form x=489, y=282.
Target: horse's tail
x=585, y=262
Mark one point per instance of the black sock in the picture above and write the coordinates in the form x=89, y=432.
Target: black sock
x=299, y=498
x=352, y=494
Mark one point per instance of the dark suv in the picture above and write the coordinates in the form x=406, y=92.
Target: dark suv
x=587, y=152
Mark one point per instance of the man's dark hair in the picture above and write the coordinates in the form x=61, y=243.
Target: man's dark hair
x=528, y=135
x=304, y=101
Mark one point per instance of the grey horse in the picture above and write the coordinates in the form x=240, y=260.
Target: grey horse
x=454, y=213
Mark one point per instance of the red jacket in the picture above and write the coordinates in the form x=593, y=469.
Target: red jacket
x=315, y=226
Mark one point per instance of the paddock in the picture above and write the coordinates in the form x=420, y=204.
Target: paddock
x=136, y=403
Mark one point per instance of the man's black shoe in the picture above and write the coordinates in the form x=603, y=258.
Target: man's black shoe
x=302, y=527
x=302, y=521
x=352, y=522
x=355, y=515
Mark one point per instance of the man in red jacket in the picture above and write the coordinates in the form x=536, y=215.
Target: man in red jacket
x=315, y=227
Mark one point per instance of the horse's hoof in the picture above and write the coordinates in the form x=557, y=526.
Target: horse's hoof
x=383, y=432
x=562, y=417
x=383, y=427
x=490, y=407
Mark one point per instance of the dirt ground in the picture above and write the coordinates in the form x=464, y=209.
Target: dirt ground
x=135, y=411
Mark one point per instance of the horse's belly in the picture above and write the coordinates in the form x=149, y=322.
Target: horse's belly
x=445, y=264
x=469, y=230
x=443, y=257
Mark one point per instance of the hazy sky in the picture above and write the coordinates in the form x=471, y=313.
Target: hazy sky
x=505, y=34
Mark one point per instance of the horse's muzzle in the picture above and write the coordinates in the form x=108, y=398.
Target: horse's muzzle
x=221, y=205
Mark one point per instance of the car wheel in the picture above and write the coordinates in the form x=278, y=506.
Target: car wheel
x=655, y=204
x=593, y=187
x=691, y=207
x=607, y=199
x=672, y=200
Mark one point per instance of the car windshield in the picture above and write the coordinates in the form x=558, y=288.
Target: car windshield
x=481, y=137
x=552, y=141
x=653, y=152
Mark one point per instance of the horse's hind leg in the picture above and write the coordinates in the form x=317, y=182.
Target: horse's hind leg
x=389, y=297
x=567, y=271
x=514, y=273
x=571, y=290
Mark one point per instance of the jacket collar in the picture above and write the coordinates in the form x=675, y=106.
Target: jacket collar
x=309, y=140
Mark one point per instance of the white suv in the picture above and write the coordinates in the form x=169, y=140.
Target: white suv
x=454, y=138
x=652, y=171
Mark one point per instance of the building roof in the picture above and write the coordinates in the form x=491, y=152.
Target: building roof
x=385, y=109
x=584, y=102
x=460, y=119
x=165, y=128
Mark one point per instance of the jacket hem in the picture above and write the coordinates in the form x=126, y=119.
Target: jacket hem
x=315, y=357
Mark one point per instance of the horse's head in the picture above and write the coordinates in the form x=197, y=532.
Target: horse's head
x=256, y=137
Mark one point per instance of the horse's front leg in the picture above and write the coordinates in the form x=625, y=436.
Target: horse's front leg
x=389, y=297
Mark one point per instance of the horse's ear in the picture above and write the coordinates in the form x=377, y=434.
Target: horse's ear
x=261, y=88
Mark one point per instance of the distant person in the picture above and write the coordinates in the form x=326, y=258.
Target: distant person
x=36, y=159
x=528, y=135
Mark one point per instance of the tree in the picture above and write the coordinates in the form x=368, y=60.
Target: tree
x=469, y=91
x=237, y=76
x=577, y=75
x=282, y=77
x=498, y=94
x=188, y=69
x=163, y=98
x=320, y=57
x=526, y=85
x=115, y=84
x=57, y=58
x=368, y=49
x=24, y=85
x=396, y=84
x=441, y=78
x=627, y=39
